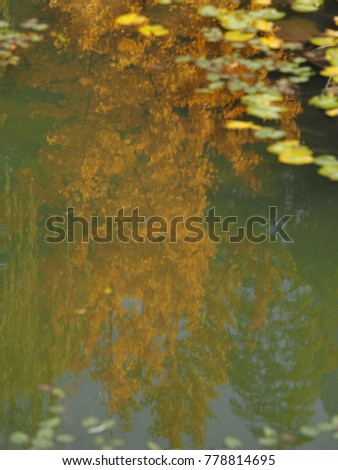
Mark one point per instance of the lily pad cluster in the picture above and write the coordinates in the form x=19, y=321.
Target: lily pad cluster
x=255, y=53
x=12, y=41
x=263, y=69
x=48, y=435
x=134, y=19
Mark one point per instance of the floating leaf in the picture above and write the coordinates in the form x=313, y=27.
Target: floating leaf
x=332, y=112
x=269, y=432
x=235, y=21
x=324, y=41
x=232, y=442
x=329, y=71
x=330, y=171
x=292, y=159
x=90, y=421
x=271, y=14
x=332, y=55
x=261, y=2
x=208, y=11
x=268, y=441
x=272, y=42
x=282, y=146
x=213, y=34
x=152, y=445
x=233, y=124
x=269, y=133
x=216, y=85
x=324, y=101
x=130, y=19
x=65, y=438
x=323, y=427
x=45, y=433
x=105, y=426
x=334, y=420
x=58, y=392
x=309, y=431
x=238, y=36
x=19, y=438
x=40, y=443
x=50, y=423
x=57, y=409
x=323, y=160
x=153, y=30
x=266, y=112
x=263, y=25
x=34, y=25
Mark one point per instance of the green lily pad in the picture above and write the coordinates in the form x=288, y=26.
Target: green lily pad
x=324, y=160
x=330, y=171
x=90, y=421
x=325, y=427
x=268, y=441
x=152, y=445
x=50, y=423
x=232, y=442
x=19, y=438
x=283, y=146
x=309, y=431
x=208, y=11
x=324, y=101
x=269, y=133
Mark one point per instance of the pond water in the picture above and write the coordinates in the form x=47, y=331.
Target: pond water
x=182, y=344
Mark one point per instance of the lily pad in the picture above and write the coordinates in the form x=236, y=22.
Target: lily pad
x=324, y=160
x=19, y=438
x=232, y=442
x=330, y=171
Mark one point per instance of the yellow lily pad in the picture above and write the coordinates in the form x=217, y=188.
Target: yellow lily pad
x=329, y=71
x=153, y=30
x=290, y=159
x=263, y=25
x=233, y=124
x=237, y=36
x=130, y=19
x=261, y=2
x=272, y=42
x=332, y=112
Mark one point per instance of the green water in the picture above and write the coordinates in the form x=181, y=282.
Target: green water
x=181, y=344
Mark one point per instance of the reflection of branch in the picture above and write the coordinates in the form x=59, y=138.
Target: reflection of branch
x=153, y=84
x=89, y=94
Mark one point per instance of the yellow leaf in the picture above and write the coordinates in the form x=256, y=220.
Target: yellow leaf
x=295, y=160
x=332, y=112
x=272, y=42
x=330, y=71
x=263, y=25
x=335, y=19
x=233, y=124
x=131, y=19
x=261, y=2
x=331, y=32
x=237, y=36
x=153, y=30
